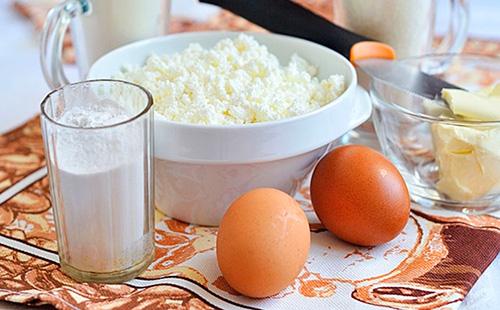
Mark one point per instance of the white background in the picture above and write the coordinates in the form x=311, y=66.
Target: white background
x=22, y=88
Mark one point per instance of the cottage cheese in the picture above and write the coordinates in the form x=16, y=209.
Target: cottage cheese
x=236, y=82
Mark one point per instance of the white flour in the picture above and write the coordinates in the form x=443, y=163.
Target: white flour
x=101, y=176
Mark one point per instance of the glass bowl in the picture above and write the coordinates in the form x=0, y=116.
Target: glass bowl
x=446, y=162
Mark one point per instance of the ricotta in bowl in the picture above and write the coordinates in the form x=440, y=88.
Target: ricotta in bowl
x=238, y=81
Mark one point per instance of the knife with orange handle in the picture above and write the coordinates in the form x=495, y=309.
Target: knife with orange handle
x=373, y=57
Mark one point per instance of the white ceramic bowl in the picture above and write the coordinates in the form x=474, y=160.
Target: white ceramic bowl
x=200, y=170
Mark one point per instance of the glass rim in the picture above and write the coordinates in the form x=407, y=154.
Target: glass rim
x=146, y=109
x=425, y=117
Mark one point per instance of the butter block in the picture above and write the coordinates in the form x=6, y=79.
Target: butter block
x=469, y=156
x=480, y=106
x=468, y=160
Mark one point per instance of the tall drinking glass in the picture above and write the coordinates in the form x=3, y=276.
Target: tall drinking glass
x=98, y=146
x=406, y=25
x=97, y=26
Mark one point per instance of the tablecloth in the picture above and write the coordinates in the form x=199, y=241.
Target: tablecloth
x=433, y=263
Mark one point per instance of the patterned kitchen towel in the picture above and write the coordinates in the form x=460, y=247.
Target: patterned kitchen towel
x=432, y=264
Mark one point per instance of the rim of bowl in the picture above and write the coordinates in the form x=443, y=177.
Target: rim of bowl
x=422, y=116
x=163, y=119
x=130, y=119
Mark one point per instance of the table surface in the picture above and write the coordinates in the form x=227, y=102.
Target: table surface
x=22, y=87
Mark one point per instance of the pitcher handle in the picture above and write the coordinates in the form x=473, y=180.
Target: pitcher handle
x=51, y=44
x=454, y=40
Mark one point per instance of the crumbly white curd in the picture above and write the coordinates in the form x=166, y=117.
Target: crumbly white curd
x=238, y=81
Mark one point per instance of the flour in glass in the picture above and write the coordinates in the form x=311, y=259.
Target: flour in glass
x=102, y=184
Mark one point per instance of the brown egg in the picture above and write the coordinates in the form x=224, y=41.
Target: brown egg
x=263, y=242
x=360, y=196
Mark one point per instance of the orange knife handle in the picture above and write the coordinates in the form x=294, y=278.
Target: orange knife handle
x=371, y=49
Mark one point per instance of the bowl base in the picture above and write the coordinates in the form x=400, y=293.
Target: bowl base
x=470, y=209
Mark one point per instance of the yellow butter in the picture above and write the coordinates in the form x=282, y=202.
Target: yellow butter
x=468, y=160
x=475, y=106
x=469, y=157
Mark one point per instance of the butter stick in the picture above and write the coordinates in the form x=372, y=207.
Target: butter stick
x=469, y=157
x=477, y=106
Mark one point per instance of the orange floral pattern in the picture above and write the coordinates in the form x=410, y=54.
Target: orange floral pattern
x=429, y=265
x=21, y=153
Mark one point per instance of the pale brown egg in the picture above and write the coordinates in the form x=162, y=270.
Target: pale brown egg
x=360, y=196
x=263, y=242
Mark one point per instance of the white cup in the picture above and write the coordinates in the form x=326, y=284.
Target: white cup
x=406, y=25
x=97, y=26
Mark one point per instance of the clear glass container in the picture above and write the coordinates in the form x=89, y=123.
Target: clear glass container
x=447, y=162
x=98, y=146
x=408, y=26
